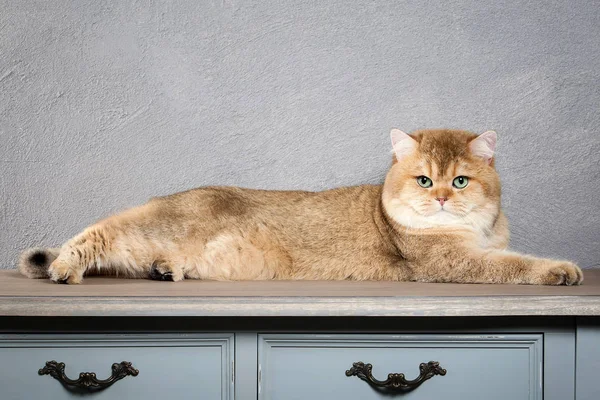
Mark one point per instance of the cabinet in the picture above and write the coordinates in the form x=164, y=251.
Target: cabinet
x=299, y=340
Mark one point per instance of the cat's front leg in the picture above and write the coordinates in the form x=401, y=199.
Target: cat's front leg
x=512, y=267
x=470, y=265
x=555, y=272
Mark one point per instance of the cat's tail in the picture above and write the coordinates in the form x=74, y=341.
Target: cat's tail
x=34, y=262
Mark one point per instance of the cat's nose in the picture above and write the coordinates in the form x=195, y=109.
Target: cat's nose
x=442, y=200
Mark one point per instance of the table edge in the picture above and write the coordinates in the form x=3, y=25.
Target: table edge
x=300, y=306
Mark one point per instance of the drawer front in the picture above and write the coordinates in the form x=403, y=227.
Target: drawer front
x=170, y=366
x=477, y=367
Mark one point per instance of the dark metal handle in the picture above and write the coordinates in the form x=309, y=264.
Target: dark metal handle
x=394, y=380
x=88, y=380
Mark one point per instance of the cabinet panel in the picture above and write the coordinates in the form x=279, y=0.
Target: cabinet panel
x=170, y=366
x=507, y=366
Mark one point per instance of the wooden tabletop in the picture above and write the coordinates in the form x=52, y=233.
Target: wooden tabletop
x=98, y=296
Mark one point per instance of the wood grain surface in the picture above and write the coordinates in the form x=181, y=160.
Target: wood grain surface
x=14, y=284
x=122, y=297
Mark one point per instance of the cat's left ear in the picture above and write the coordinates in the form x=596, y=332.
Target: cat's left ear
x=484, y=145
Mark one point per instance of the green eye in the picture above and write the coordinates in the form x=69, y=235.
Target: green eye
x=424, y=181
x=460, y=182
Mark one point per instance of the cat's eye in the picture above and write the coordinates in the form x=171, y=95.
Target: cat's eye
x=424, y=181
x=460, y=182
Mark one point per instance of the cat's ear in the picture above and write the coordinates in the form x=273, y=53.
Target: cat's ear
x=402, y=143
x=484, y=145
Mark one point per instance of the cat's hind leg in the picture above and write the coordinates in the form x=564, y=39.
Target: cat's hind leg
x=101, y=250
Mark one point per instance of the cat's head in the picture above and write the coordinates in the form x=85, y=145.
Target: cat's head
x=443, y=178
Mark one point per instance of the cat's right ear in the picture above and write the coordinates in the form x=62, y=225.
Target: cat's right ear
x=402, y=143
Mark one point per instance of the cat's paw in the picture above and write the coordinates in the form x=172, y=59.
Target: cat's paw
x=553, y=272
x=63, y=272
x=162, y=270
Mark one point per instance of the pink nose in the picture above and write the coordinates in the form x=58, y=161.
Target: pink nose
x=442, y=200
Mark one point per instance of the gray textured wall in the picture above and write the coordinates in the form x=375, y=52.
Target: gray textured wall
x=104, y=104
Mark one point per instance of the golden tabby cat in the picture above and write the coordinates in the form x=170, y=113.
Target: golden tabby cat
x=436, y=218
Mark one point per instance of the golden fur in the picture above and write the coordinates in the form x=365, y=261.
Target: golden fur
x=394, y=231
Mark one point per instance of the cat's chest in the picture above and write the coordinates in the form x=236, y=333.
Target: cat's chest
x=483, y=239
x=476, y=229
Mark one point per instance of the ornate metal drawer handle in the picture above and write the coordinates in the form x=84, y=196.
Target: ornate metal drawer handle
x=88, y=380
x=394, y=380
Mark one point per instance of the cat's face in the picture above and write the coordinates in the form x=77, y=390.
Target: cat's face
x=443, y=178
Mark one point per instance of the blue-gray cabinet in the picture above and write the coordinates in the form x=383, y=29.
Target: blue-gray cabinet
x=299, y=340
x=481, y=359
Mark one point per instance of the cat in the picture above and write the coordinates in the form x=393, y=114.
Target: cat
x=436, y=218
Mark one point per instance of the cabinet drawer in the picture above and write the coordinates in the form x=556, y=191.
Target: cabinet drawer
x=170, y=366
x=477, y=366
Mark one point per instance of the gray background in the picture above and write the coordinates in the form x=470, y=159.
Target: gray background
x=104, y=104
